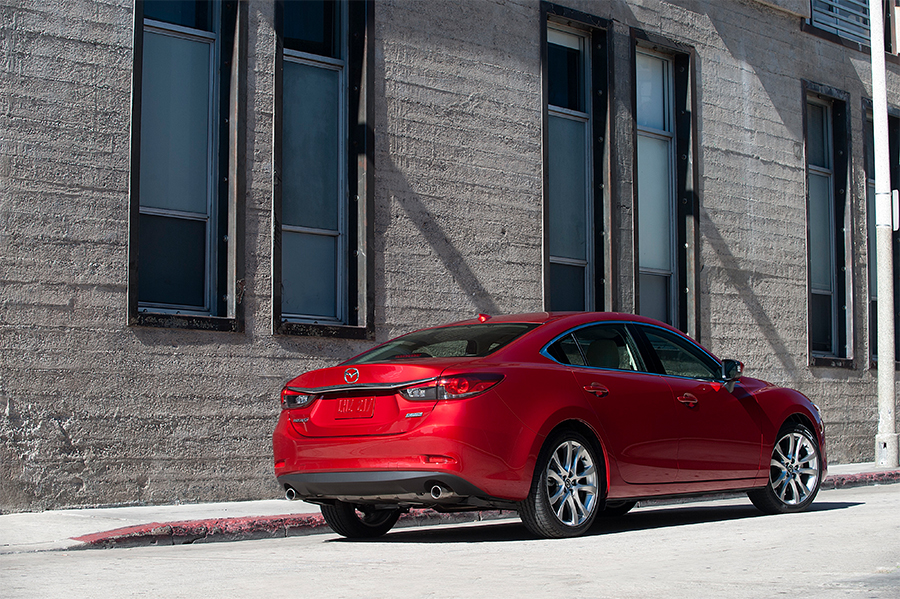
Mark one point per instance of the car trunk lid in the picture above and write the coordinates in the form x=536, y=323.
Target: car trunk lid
x=364, y=399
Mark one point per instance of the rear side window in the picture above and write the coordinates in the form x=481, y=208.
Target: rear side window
x=599, y=346
x=462, y=341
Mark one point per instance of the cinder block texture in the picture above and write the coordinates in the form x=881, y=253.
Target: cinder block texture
x=94, y=412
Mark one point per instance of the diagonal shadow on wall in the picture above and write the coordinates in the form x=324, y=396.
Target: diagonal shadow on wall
x=739, y=279
x=421, y=216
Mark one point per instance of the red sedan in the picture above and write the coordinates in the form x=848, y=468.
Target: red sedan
x=563, y=417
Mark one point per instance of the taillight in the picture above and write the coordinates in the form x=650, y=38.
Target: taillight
x=291, y=399
x=457, y=386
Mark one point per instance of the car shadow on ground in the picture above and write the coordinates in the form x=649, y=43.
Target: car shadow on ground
x=648, y=518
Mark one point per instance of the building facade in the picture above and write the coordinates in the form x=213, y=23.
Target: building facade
x=201, y=200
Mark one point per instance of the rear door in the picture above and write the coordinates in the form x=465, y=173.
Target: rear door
x=635, y=408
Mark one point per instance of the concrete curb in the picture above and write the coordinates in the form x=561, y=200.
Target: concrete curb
x=265, y=527
x=862, y=479
x=253, y=527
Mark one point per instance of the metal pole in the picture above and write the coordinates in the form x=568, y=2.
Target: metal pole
x=886, y=447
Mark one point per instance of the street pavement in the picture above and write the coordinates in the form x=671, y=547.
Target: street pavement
x=134, y=526
x=844, y=547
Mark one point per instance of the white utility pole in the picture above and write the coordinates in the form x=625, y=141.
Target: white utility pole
x=886, y=448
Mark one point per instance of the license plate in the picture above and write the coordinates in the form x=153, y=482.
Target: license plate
x=355, y=407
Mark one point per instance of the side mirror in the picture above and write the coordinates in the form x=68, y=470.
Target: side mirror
x=732, y=370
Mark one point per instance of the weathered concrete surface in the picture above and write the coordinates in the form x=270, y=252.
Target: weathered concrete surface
x=238, y=521
x=845, y=547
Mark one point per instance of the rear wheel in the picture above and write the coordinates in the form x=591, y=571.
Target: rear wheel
x=359, y=521
x=795, y=473
x=563, y=498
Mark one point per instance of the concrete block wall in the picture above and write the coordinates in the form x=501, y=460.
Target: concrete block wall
x=93, y=411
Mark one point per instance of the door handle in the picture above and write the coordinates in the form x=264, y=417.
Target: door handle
x=688, y=400
x=597, y=389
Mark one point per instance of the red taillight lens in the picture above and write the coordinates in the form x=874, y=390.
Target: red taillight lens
x=291, y=398
x=457, y=386
x=460, y=386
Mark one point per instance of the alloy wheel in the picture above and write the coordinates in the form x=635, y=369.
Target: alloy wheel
x=794, y=468
x=571, y=483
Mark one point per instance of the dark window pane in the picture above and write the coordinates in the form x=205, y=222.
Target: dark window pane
x=311, y=159
x=566, y=81
x=312, y=26
x=870, y=148
x=680, y=357
x=175, y=123
x=566, y=287
x=608, y=346
x=566, y=351
x=566, y=173
x=821, y=323
x=196, y=15
x=655, y=297
x=447, y=342
x=309, y=266
x=817, y=135
x=172, y=261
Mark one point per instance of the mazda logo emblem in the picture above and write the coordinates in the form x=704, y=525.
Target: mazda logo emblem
x=351, y=375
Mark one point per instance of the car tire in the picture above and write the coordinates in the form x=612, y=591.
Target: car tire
x=614, y=509
x=566, y=488
x=795, y=473
x=358, y=521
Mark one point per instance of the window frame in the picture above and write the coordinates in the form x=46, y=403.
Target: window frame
x=598, y=268
x=871, y=246
x=841, y=354
x=667, y=136
x=223, y=287
x=857, y=42
x=686, y=210
x=355, y=293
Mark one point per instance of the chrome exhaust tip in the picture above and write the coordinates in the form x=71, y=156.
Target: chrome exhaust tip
x=290, y=494
x=438, y=491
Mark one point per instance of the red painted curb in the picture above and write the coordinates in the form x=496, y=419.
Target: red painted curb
x=262, y=527
x=863, y=479
x=253, y=527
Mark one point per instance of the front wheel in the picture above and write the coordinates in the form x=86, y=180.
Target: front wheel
x=795, y=473
x=359, y=521
x=565, y=490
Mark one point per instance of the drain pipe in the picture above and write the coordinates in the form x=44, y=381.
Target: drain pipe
x=886, y=446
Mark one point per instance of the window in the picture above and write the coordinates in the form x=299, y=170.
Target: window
x=664, y=179
x=827, y=168
x=846, y=18
x=608, y=346
x=319, y=257
x=181, y=188
x=849, y=20
x=655, y=186
x=894, y=144
x=477, y=340
x=599, y=346
x=678, y=357
x=574, y=99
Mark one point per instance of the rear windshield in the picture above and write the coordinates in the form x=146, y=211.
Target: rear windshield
x=463, y=341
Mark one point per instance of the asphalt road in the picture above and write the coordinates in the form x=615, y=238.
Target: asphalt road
x=848, y=546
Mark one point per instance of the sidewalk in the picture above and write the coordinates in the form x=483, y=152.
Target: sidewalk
x=203, y=523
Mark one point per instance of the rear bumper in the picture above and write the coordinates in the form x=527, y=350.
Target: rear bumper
x=405, y=488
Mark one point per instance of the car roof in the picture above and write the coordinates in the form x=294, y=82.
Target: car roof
x=571, y=318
